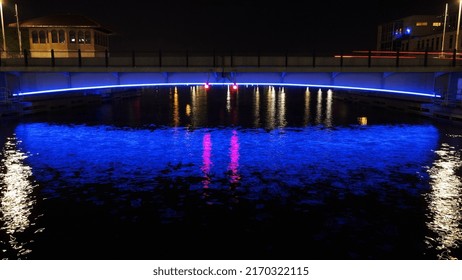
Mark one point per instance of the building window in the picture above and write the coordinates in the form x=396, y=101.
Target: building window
x=433, y=44
x=97, y=39
x=42, y=37
x=438, y=43
x=81, y=39
x=35, y=37
x=437, y=24
x=451, y=38
x=101, y=39
x=54, y=36
x=421, y=23
x=72, y=37
x=61, y=36
x=87, y=37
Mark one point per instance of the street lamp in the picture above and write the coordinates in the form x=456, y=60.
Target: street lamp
x=3, y=26
x=444, y=29
x=19, y=30
x=458, y=26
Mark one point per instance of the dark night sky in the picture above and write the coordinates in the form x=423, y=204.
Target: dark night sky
x=237, y=25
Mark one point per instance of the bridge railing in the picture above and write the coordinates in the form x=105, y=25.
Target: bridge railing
x=160, y=58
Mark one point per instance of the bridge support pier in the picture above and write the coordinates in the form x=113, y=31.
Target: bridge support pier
x=454, y=89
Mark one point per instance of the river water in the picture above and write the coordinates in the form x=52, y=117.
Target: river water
x=253, y=173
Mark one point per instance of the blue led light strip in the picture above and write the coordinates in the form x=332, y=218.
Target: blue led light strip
x=230, y=84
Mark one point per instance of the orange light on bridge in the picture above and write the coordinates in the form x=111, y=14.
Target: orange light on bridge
x=362, y=120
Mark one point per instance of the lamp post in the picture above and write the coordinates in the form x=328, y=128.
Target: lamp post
x=19, y=30
x=444, y=29
x=458, y=26
x=3, y=26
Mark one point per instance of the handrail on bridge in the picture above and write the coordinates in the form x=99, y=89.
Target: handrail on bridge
x=106, y=58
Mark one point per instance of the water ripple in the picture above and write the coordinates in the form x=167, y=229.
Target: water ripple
x=445, y=202
x=16, y=199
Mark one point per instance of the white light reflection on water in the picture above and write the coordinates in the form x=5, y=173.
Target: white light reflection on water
x=256, y=107
x=282, y=108
x=198, y=106
x=307, y=107
x=16, y=201
x=176, y=108
x=228, y=100
x=445, y=202
x=319, y=107
x=271, y=108
x=328, y=120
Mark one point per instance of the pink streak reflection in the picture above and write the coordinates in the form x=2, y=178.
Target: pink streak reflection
x=206, y=159
x=233, y=166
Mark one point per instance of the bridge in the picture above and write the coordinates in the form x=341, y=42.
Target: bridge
x=426, y=75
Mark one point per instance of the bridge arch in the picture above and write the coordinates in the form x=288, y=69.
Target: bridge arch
x=408, y=83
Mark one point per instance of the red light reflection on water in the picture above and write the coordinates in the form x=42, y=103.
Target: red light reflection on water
x=233, y=166
x=206, y=159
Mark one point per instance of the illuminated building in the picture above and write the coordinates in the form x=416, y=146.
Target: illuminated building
x=411, y=33
x=65, y=34
x=430, y=33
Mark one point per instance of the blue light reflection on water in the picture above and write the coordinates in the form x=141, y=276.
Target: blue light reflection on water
x=302, y=156
x=300, y=168
x=255, y=172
